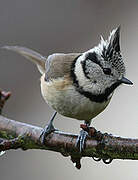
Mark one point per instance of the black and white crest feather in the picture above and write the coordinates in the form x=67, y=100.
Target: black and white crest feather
x=109, y=50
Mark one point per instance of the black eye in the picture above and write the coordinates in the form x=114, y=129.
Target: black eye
x=107, y=71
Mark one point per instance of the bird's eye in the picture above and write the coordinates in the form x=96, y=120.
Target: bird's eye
x=107, y=71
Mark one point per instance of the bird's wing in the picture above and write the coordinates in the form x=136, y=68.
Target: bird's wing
x=35, y=57
x=59, y=65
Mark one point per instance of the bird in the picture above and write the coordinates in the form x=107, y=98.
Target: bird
x=79, y=85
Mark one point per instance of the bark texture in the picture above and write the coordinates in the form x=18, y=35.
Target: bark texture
x=100, y=146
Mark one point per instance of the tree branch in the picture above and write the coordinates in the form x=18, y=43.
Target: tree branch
x=16, y=135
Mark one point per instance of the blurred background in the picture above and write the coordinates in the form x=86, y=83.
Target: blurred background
x=65, y=26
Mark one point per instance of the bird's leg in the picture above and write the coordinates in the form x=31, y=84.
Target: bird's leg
x=48, y=129
x=92, y=132
x=80, y=143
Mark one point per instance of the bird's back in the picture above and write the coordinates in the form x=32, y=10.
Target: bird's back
x=59, y=65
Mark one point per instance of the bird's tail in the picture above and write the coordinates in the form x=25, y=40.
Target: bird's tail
x=33, y=56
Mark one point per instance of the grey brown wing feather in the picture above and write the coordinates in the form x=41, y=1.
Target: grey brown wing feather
x=34, y=56
x=59, y=65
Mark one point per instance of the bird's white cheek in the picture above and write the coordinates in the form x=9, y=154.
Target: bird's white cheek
x=82, y=80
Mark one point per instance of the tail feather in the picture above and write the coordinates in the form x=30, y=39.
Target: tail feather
x=35, y=57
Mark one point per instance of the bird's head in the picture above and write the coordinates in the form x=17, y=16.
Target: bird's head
x=101, y=70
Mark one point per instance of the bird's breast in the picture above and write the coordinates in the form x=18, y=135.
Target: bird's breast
x=62, y=96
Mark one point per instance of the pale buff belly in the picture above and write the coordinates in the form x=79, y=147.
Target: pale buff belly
x=63, y=98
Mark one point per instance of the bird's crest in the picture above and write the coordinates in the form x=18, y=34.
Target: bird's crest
x=109, y=50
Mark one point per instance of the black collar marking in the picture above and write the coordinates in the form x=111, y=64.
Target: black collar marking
x=94, y=98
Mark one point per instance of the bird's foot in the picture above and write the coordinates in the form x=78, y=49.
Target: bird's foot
x=84, y=133
x=48, y=129
x=80, y=143
x=90, y=130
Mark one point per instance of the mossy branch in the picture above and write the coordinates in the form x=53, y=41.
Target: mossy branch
x=16, y=135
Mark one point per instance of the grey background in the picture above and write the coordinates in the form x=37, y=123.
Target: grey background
x=65, y=26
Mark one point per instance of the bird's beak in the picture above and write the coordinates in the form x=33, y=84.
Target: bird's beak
x=126, y=81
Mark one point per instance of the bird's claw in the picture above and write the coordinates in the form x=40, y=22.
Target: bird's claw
x=47, y=130
x=80, y=143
